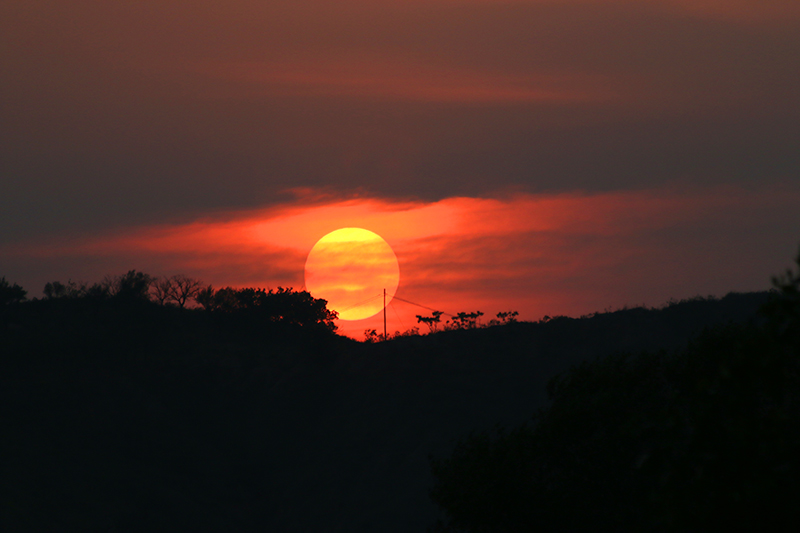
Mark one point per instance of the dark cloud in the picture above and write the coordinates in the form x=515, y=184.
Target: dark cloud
x=120, y=113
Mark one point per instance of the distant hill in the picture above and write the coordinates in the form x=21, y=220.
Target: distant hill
x=145, y=418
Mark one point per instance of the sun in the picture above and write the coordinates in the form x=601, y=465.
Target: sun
x=350, y=268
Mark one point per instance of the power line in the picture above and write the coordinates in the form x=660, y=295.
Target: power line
x=423, y=306
x=394, y=308
x=368, y=300
x=360, y=303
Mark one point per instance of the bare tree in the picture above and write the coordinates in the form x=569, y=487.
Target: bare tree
x=178, y=289
x=185, y=288
x=161, y=290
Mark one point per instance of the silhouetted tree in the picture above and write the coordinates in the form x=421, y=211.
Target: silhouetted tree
x=185, y=288
x=297, y=307
x=706, y=439
x=283, y=305
x=10, y=294
x=55, y=290
x=372, y=336
x=161, y=290
x=464, y=320
x=410, y=332
x=431, y=321
x=133, y=285
x=178, y=289
x=783, y=310
x=504, y=317
x=205, y=298
x=226, y=299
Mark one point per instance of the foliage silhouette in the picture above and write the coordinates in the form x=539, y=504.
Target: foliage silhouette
x=283, y=305
x=11, y=294
x=126, y=415
x=431, y=321
x=464, y=320
x=704, y=439
x=56, y=289
x=131, y=286
x=372, y=336
x=504, y=317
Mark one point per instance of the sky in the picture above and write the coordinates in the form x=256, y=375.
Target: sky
x=546, y=156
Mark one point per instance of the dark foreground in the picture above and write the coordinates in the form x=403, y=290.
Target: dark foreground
x=145, y=418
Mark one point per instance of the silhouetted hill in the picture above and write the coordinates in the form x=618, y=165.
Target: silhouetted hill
x=131, y=417
x=704, y=439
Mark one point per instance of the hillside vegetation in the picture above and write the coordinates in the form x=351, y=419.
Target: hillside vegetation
x=120, y=414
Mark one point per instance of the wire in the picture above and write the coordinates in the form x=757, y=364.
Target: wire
x=360, y=303
x=423, y=306
x=397, y=315
x=368, y=300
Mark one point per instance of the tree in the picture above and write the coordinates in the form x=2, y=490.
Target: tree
x=205, y=298
x=464, y=320
x=227, y=299
x=705, y=439
x=184, y=289
x=55, y=290
x=178, y=289
x=11, y=294
x=431, y=321
x=161, y=290
x=284, y=305
x=783, y=311
x=294, y=307
x=133, y=285
x=372, y=336
x=504, y=317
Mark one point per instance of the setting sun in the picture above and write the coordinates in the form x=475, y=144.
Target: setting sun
x=350, y=268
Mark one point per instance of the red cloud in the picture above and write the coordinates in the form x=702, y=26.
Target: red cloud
x=538, y=254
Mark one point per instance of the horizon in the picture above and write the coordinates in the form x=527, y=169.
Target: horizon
x=542, y=156
x=359, y=329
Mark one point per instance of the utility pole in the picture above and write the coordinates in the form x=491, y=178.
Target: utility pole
x=384, y=314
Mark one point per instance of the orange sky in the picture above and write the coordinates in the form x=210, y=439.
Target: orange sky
x=537, y=254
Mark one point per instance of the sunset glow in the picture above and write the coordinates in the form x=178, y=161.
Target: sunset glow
x=537, y=254
x=351, y=268
x=545, y=156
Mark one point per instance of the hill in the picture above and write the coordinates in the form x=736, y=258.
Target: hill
x=138, y=417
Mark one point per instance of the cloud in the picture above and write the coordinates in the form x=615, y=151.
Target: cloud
x=538, y=254
x=129, y=113
x=380, y=78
